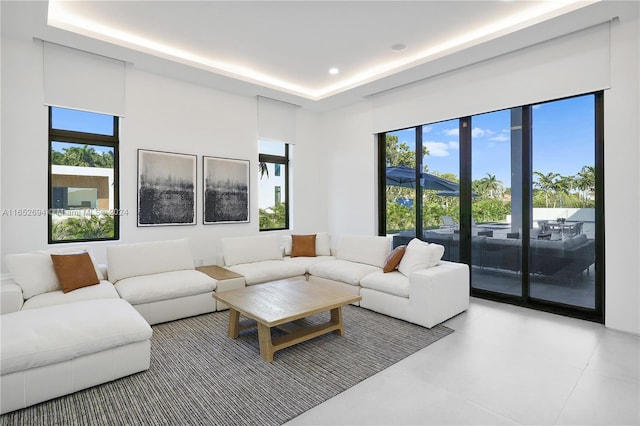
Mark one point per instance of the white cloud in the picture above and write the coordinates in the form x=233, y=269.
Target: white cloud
x=426, y=129
x=500, y=138
x=477, y=132
x=441, y=149
x=452, y=132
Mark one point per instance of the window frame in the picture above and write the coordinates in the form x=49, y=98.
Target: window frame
x=84, y=138
x=595, y=314
x=283, y=160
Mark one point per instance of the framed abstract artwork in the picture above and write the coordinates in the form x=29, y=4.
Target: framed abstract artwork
x=166, y=188
x=225, y=190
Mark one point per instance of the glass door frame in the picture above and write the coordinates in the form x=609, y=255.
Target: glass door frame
x=596, y=314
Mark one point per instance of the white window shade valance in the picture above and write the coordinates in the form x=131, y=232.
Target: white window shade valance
x=80, y=80
x=570, y=65
x=276, y=120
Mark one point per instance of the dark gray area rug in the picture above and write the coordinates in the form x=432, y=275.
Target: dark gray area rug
x=200, y=376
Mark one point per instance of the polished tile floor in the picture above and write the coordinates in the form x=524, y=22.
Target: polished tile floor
x=503, y=365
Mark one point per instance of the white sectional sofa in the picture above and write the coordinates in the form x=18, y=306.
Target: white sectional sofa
x=160, y=280
x=424, y=290
x=55, y=343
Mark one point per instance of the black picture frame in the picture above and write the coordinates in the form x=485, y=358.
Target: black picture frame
x=166, y=188
x=226, y=185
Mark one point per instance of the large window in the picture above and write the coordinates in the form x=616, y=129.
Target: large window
x=83, y=176
x=524, y=209
x=274, y=185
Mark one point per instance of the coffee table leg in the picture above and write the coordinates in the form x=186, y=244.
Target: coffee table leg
x=266, y=345
x=336, y=318
x=234, y=323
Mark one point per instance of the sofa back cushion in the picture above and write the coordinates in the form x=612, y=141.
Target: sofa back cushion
x=367, y=249
x=239, y=250
x=34, y=271
x=420, y=255
x=133, y=260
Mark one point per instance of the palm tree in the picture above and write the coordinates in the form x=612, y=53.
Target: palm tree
x=490, y=184
x=546, y=184
x=264, y=170
x=586, y=182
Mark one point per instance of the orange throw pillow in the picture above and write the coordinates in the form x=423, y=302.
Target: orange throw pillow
x=393, y=260
x=74, y=270
x=303, y=245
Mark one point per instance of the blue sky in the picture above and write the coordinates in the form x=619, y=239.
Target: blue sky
x=81, y=121
x=563, y=141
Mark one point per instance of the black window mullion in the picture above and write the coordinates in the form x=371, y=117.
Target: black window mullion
x=419, y=201
x=465, y=189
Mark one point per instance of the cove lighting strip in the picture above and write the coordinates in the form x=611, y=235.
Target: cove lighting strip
x=60, y=16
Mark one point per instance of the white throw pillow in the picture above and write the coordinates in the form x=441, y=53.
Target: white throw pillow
x=367, y=249
x=33, y=272
x=323, y=244
x=251, y=249
x=420, y=255
x=286, y=243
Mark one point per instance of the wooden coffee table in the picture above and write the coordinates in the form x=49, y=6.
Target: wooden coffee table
x=279, y=303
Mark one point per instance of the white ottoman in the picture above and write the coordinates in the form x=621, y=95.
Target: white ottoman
x=53, y=351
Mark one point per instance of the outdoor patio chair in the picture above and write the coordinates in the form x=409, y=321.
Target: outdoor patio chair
x=448, y=222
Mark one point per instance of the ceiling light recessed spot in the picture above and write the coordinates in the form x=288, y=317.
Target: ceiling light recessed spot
x=399, y=47
x=333, y=71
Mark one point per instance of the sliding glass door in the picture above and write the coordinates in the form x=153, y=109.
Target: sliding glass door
x=562, y=254
x=516, y=194
x=496, y=228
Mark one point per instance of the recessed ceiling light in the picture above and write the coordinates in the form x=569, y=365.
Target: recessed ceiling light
x=399, y=47
x=334, y=71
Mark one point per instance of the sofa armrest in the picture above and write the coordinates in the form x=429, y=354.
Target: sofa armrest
x=441, y=291
x=10, y=297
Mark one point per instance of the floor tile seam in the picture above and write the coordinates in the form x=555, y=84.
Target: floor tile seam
x=469, y=400
x=600, y=373
x=629, y=380
x=568, y=398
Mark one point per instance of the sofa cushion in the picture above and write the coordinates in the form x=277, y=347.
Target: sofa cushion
x=303, y=245
x=420, y=255
x=368, y=249
x=393, y=260
x=132, y=260
x=33, y=272
x=323, y=244
x=239, y=250
x=104, y=290
x=39, y=337
x=164, y=286
x=394, y=283
x=308, y=261
x=268, y=270
x=342, y=270
x=78, y=249
x=74, y=271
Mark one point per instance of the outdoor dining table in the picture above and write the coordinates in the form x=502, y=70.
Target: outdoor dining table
x=562, y=227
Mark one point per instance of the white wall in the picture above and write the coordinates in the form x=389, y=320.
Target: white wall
x=351, y=175
x=352, y=148
x=162, y=114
